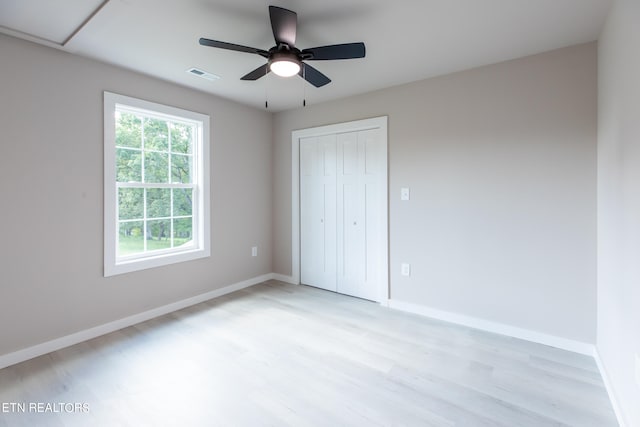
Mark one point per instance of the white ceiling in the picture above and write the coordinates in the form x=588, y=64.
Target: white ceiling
x=406, y=40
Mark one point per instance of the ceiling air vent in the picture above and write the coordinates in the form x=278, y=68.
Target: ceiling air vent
x=201, y=73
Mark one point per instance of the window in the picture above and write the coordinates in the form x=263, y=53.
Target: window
x=155, y=184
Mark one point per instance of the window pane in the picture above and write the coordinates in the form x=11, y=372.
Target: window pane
x=158, y=234
x=128, y=165
x=130, y=203
x=130, y=238
x=158, y=202
x=128, y=130
x=156, y=135
x=155, y=167
x=182, y=205
x=182, y=231
x=181, y=137
x=181, y=168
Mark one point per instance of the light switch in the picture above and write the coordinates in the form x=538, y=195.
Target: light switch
x=637, y=369
x=404, y=193
x=405, y=269
x=254, y=251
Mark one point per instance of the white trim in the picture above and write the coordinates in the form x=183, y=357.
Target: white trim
x=617, y=407
x=358, y=125
x=284, y=278
x=495, y=327
x=295, y=208
x=87, y=334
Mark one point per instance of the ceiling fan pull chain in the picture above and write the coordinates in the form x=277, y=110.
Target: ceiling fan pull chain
x=304, y=86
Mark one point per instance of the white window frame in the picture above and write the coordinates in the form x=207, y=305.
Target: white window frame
x=201, y=246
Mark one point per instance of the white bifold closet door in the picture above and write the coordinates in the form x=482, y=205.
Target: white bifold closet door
x=318, y=168
x=340, y=216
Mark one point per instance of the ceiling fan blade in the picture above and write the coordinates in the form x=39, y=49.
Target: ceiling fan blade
x=261, y=71
x=336, y=51
x=313, y=76
x=284, y=24
x=234, y=47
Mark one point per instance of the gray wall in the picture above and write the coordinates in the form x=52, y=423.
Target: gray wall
x=501, y=162
x=51, y=131
x=619, y=203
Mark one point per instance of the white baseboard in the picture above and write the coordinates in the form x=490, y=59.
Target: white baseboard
x=617, y=408
x=495, y=327
x=87, y=334
x=283, y=278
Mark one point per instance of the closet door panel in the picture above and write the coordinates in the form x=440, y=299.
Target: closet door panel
x=350, y=241
x=369, y=144
x=309, y=218
x=327, y=149
x=318, y=212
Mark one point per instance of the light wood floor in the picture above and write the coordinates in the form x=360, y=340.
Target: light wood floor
x=283, y=355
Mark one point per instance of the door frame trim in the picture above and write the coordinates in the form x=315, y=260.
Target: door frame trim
x=353, y=126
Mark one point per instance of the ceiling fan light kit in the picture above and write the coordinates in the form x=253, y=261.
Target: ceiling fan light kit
x=284, y=64
x=284, y=59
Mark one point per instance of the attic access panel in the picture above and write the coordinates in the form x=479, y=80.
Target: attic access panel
x=53, y=21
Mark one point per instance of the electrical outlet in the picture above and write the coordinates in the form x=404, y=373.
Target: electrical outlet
x=405, y=269
x=254, y=251
x=638, y=370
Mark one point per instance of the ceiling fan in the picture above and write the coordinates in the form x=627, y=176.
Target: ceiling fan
x=285, y=59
